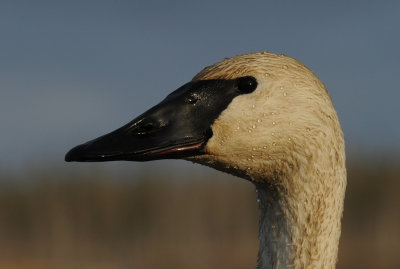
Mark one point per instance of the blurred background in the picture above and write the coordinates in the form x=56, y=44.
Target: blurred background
x=73, y=70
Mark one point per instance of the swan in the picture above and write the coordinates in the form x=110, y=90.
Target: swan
x=266, y=118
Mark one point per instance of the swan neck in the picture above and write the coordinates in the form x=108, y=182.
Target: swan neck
x=295, y=234
x=275, y=238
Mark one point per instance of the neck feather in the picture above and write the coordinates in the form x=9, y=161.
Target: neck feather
x=299, y=230
x=275, y=237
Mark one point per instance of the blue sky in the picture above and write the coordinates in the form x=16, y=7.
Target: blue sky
x=73, y=70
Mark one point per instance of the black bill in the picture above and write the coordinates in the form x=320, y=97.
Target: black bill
x=178, y=127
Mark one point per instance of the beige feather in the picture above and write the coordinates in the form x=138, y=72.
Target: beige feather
x=286, y=138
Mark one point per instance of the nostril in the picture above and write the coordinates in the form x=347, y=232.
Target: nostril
x=146, y=128
x=143, y=129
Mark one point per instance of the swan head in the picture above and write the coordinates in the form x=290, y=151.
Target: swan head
x=284, y=127
x=263, y=117
x=259, y=116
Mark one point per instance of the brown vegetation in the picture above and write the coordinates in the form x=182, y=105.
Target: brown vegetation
x=117, y=221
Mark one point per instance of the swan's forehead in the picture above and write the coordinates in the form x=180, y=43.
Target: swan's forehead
x=270, y=70
x=264, y=63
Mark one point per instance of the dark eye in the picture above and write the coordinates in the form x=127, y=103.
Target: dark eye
x=247, y=84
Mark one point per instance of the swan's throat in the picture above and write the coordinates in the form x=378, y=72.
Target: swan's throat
x=299, y=231
x=276, y=246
